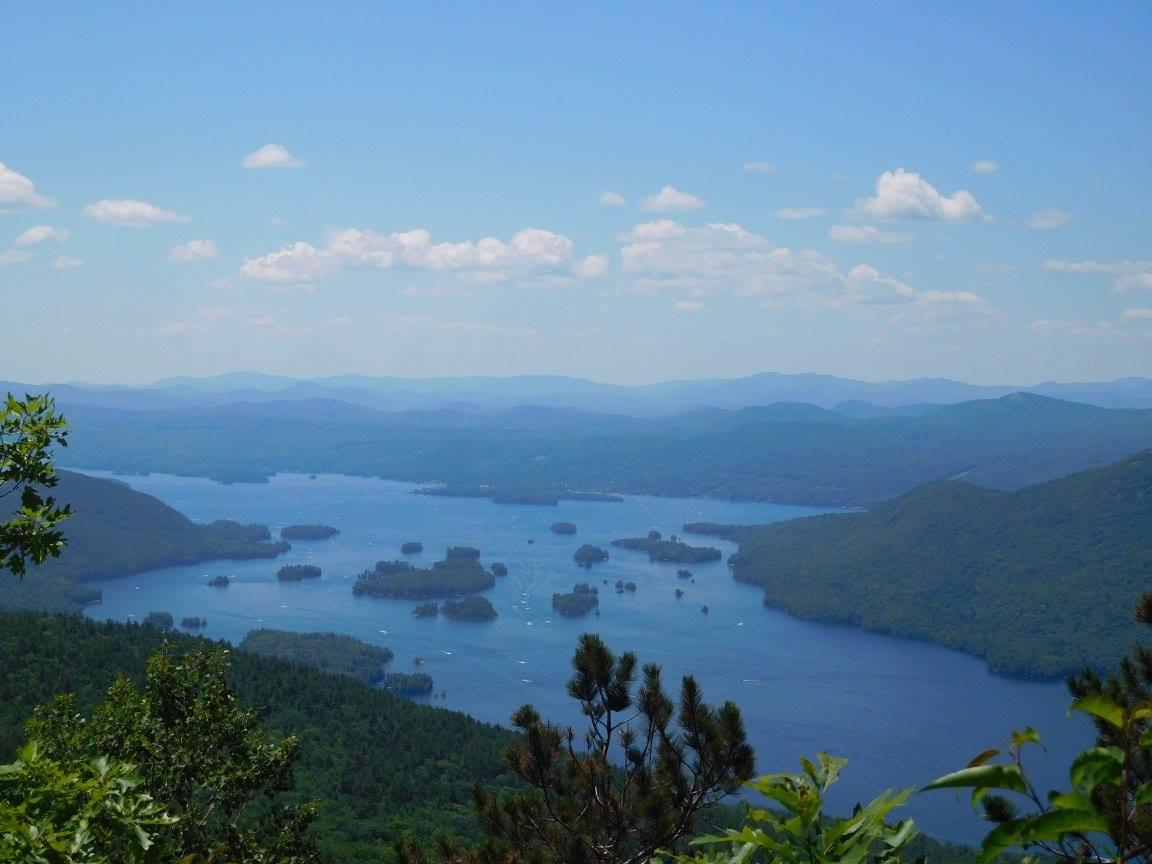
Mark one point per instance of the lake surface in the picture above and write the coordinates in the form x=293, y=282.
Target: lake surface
x=903, y=712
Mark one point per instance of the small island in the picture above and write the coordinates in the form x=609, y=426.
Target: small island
x=718, y=529
x=684, y=574
x=297, y=572
x=587, y=555
x=308, y=532
x=499, y=569
x=679, y=592
x=462, y=553
x=194, y=622
x=399, y=580
x=581, y=600
x=563, y=528
x=472, y=608
x=329, y=652
x=427, y=609
x=163, y=620
x=412, y=547
x=622, y=586
x=407, y=683
x=220, y=581
x=671, y=550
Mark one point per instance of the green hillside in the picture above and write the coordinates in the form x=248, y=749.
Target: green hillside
x=116, y=531
x=782, y=453
x=1038, y=581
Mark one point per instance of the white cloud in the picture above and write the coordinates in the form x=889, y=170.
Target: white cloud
x=688, y=306
x=984, y=166
x=174, y=328
x=40, y=233
x=14, y=256
x=1135, y=282
x=867, y=234
x=128, y=213
x=904, y=194
x=661, y=229
x=796, y=214
x=67, y=262
x=1138, y=314
x=592, y=267
x=760, y=167
x=1051, y=218
x=272, y=156
x=193, y=250
x=1130, y=275
x=16, y=190
x=527, y=250
x=1048, y=327
x=213, y=313
x=612, y=199
x=671, y=200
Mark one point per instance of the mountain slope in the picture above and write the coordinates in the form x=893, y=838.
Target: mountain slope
x=117, y=531
x=1039, y=581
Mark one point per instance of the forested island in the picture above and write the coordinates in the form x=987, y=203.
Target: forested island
x=716, y=529
x=308, y=532
x=581, y=600
x=470, y=608
x=194, y=622
x=518, y=495
x=427, y=609
x=220, y=581
x=412, y=547
x=399, y=580
x=329, y=652
x=163, y=620
x=563, y=528
x=297, y=572
x=499, y=569
x=673, y=549
x=116, y=531
x=587, y=555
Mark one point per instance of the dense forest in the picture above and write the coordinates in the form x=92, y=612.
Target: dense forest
x=581, y=600
x=1037, y=581
x=471, y=608
x=588, y=554
x=298, y=572
x=116, y=531
x=382, y=767
x=796, y=454
x=329, y=652
x=308, y=532
x=672, y=549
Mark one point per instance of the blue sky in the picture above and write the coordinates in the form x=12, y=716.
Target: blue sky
x=874, y=190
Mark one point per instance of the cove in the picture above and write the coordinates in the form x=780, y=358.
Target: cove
x=902, y=712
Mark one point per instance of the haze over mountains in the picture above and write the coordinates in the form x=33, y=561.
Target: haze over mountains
x=665, y=398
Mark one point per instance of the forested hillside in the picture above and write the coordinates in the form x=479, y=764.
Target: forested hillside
x=116, y=531
x=783, y=453
x=1039, y=581
x=381, y=767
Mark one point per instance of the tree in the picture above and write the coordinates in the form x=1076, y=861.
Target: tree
x=583, y=806
x=198, y=755
x=29, y=428
x=1106, y=813
x=797, y=831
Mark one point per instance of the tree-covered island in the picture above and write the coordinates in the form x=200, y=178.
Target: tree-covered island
x=308, y=532
x=297, y=572
x=399, y=580
x=581, y=600
x=587, y=555
x=670, y=550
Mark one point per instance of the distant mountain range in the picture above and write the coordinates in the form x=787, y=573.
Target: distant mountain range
x=666, y=398
x=785, y=452
x=1040, y=581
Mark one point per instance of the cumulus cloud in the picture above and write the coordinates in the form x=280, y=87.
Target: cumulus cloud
x=17, y=191
x=272, y=156
x=796, y=214
x=671, y=200
x=530, y=249
x=67, y=262
x=14, y=256
x=760, y=167
x=1048, y=219
x=612, y=199
x=688, y=306
x=1049, y=327
x=592, y=267
x=40, y=233
x=904, y=194
x=193, y=250
x=984, y=166
x=867, y=234
x=128, y=213
x=1138, y=314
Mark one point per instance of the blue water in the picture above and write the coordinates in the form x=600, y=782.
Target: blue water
x=903, y=712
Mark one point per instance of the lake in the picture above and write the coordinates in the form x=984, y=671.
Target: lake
x=903, y=712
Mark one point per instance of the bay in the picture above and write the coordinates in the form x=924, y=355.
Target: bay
x=903, y=712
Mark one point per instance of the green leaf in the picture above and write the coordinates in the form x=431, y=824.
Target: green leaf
x=1101, y=707
x=980, y=758
x=1095, y=766
x=982, y=777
